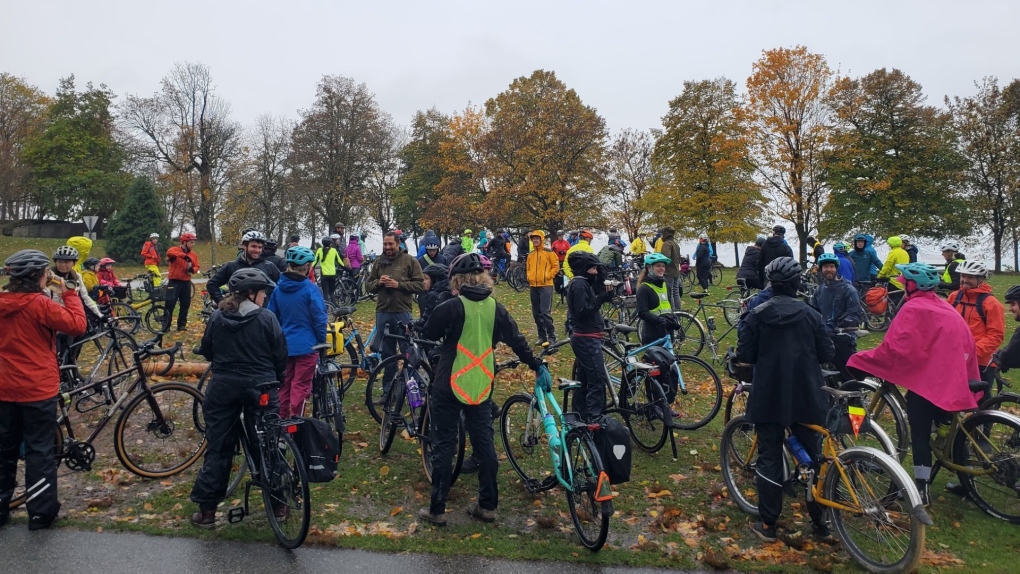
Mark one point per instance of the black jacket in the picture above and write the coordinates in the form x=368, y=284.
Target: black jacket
x=653, y=326
x=1009, y=356
x=749, y=265
x=583, y=304
x=452, y=250
x=223, y=275
x=245, y=349
x=447, y=321
x=774, y=248
x=786, y=341
x=280, y=262
x=438, y=294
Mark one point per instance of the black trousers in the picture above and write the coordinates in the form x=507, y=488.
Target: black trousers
x=922, y=416
x=846, y=346
x=445, y=413
x=541, y=310
x=328, y=285
x=180, y=292
x=34, y=425
x=589, y=368
x=224, y=403
x=771, y=469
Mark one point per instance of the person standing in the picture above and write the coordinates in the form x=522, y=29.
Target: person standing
x=773, y=248
x=846, y=265
x=840, y=306
x=328, y=259
x=396, y=276
x=250, y=256
x=353, y=254
x=586, y=293
x=583, y=245
x=542, y=267
x=151, y=258
x=560, y=248
x=652, y=300
x=703, y=261
x=748, y=271
x=951, y=277
x=909, y=247
x=786, y=341
x=467, y=242
x=30, y=381
x=985, y=316
x=183, y=264
x=269, y=253
x=671, y=250
x=897, y=256
x=864, y=259
x=301, y=312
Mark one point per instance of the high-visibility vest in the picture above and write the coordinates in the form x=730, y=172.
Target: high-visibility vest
x=473, y=367
x=664, y=307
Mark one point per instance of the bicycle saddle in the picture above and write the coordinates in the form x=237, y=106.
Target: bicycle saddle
x=697, y=295
x=567, y=384
x=344, y=311
x=979, y=386
x=844, y=394
x=625, y=329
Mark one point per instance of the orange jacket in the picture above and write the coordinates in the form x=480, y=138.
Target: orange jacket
x=179, y=262
x=989, y=333
x=151, y=254
x=542, y=265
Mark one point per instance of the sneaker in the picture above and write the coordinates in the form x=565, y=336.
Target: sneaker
x=481, y=513
x=204, y=519
x=765, y=532
x=957, y=489
x=922, y=489
x=469, y=466
x=434, y=519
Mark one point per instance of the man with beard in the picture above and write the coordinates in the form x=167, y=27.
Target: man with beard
x=251, y=256
x=840, y=306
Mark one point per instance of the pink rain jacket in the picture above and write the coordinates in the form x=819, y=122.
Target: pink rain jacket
x=928, y=350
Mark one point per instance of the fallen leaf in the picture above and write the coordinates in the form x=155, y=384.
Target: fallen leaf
x=476, y=535
x=384, y=470
x=396, y=510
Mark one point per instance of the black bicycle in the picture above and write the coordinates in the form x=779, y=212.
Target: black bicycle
x=327, y=393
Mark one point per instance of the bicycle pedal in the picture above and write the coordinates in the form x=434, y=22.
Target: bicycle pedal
x=235, y=515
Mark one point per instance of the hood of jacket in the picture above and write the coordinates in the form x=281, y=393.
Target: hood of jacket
x=539, y=233
x=474, y=292
x=774, y=242
x=234, y=323
x=782, y=311
x=292, y=283
x=440, y=286
x=354, y=241
x=751, y=249
x=581, y=261
x=13, y=303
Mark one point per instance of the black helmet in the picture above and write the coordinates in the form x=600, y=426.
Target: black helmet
x=90, y=263
x=26, y=263
x=249, y=279
x=437, y=271
x=779, y=230
x=1012, y=294
x=783, y=270
x=271, y=245
x=466, y=263
x=326, y=242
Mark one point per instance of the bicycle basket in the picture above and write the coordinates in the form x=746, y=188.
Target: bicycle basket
x=629, y=302
x=847, y=416
x=164, y=292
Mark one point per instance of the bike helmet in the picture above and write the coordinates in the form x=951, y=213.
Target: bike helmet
x=783, y=270
x=26, y=263
x=466, y=263
x=972, y=267
x=90, y=263
x=432, y=243
x=1012, y=294
x=925, y=276
x=586, y=235
x=486, y=262
x=187, y=237
x=703, y=236
x=760, y=240
x=326, y=242
x=300, y=255
x=950, y=246
x=271, y=245
x=840, y=247
x=907, y=239
x=654, y=258
x=828, y=258
x=860, y=237
x=779, y=230
x=249, y=279
x=253, y=235
x=106, y=261
x=353, y=236
x=65, y=253
x=895, y=241
x=336, y=237
x=437, y=271
x=153, y=236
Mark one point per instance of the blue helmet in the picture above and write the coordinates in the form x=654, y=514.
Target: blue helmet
x=300, y=255
x=925, y=276
x=828, y=258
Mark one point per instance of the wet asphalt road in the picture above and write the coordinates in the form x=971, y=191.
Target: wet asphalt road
x=45, y=552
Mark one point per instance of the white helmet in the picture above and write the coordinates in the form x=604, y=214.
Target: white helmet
x=950, y=246
x=906, y=239
x=153, y=236
x=971, y=267
x=703, y=236
x=335, y=237
x=253, y=236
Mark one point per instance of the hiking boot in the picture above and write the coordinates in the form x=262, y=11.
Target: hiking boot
x=469, y=466
x=204, y=519
x=957, y=489
x=433, y=519
x=765, y=532
x=481, y=513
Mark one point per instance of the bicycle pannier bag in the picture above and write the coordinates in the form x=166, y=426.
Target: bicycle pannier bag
x=613, y=443
x=335, y=338
x=667, y=377
x=876, y=300
x=320, y=449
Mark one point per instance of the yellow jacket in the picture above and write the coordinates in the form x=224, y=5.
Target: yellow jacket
x=582, y=245
x=638, y=247
x=89, y=280
x=658, y=245
x=542, y=264
x=896, y=257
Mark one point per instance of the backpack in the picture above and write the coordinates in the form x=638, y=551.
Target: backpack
x=320, y=449
x=876, y=300
x=613, y=443
x=980, y=304
x=559, y=285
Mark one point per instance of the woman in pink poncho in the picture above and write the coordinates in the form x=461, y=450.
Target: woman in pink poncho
x=929, y=351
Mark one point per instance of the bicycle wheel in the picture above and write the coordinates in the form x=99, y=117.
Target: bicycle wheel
x=524, y=440
x=880, y=531
x=520, y=279
x=157, y=435
x=886, y=412
x=20, y=495
x=878, y=321
x=590, y=517
x=992, y=451
x=645, y=411
x=1008, y=403
x=739, y=451
x=425, y=444
x=328, y=408
x=732, y=307
x=156, y=320
x=125, y=318
x=349, y=371
x=699, y=396
x=716, y=276
x=736, y=404
x=374, y=387
x=391, y=409
x=689, y=339
x=285, y=491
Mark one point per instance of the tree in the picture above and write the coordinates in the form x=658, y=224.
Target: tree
x=187, y=128
x=463, y=186
x=22, y=111
x=989, y=127
x=421, y=170
x=785, y=119
x=260, y=195
x=893, y=167
x=630, y=179
x=706, y=184
x=336, y=147
x=75, y=161
x=382, y=182
x=141, y=214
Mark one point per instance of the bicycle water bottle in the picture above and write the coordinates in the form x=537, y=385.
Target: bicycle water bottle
x=413, y=393
x=554, y=437
x=799, y=452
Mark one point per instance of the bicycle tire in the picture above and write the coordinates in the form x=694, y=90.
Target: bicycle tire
x=348, y=372
x=327, y=407
x=739, y=452
x=20, y=495
x=425, y=444
x=645, y=409
x=520, y=279
x=703, y=397
x=732, y=307
x=238, y=468
x=146, y=430
x=716, y=275
x=689, y=339
x=590, y=517
x=374, y=387
x=1008, y=403
x=391, y=412
x=286, y=484
x=736, y=404
x=882, y=516
x=885, y=412
x=156, y=319
x=877, y=322
x=998, y=436
x=125, y=317
x=524, y=440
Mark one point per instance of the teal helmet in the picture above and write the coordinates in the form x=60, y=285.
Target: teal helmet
x=654, y=258
x=828, y=258
x=925, y=276
x=840, y=247
x=300, y=255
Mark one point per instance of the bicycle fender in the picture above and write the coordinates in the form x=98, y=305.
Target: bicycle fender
x=915, y=497
x=1005, y=417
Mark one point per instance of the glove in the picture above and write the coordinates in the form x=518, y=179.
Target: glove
x=672, y=323
x=543, y=379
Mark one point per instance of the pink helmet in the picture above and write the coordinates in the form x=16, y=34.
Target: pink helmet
x=106, y=261
x=486, y=262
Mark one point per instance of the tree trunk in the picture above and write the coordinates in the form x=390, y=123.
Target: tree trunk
x=736, y=253
x=204, y=215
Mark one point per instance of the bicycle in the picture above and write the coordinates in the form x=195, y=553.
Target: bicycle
x=359, y=359
x=694, y=338
x=327, y=396
x=280, y=473
x=126, y=312
x=517, y=276
x=155, y=436
x=870, y=501
x=208, y=304
x=110, y=358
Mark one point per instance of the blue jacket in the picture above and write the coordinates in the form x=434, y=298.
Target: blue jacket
x=298, y=305
x=863, y=261
x=839, y=304
x=846, y=268
x=869, y=246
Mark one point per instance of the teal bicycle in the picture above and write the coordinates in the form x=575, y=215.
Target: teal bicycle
x=532, y=435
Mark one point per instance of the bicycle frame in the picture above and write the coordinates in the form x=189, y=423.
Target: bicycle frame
x=559, y=454
x=710, y=339
x=944, y=456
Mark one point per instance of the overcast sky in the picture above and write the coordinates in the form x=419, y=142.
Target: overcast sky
x=625, y=58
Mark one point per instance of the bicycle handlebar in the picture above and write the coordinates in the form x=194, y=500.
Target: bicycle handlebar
x=149, y=350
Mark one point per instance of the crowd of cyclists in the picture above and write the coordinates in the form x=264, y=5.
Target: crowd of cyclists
x=272, y=312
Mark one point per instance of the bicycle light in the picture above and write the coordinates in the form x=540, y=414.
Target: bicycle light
x=291, y=429
x=264, y=400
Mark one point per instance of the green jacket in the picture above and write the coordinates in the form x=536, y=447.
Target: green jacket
x=406, y=270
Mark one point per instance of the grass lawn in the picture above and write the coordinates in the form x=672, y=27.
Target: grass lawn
x=673, y=513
